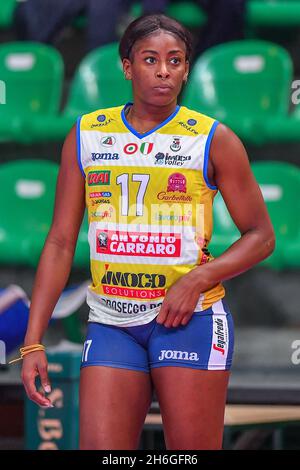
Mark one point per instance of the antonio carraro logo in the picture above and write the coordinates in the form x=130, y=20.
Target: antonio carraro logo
x=138, y=243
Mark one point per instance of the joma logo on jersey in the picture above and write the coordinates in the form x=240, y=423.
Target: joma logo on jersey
x=104, y=156
x=186, y=356
x=219, y=334
x=96, y=178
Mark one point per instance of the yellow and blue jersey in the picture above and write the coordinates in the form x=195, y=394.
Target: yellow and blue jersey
x=149, y=206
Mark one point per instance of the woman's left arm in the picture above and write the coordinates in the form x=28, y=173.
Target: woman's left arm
x=243, y=198
x=244, y=201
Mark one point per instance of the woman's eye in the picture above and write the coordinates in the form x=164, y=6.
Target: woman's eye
x=175, y=60
x=150, y=60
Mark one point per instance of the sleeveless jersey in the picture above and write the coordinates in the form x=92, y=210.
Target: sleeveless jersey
x=149, y=206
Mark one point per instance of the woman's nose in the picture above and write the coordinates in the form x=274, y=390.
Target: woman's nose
x=163, y=72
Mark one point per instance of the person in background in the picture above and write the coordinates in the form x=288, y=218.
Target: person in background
x=44, y=20
x=225, y=22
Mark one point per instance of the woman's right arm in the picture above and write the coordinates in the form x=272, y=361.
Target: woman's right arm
x=54, y=265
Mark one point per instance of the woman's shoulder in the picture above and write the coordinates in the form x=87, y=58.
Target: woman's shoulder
x=196, y=119
x=101, y=119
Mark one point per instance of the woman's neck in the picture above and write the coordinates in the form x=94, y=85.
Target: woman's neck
x=143, y=118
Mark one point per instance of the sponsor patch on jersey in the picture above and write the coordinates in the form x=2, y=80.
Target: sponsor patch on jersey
x=108, y=141
x=176, y=144
x=177, y=182
x=97, y=202
x=192, y=122
x=97, y=194
x=135, y=285
x=102, y=121
x=188, y=127
x=104, y=156
x=102, y=214
x=146, y=148
x=162, y=158
x=174, y=218
x=131, y=148
x=138, y=243
x=130, y=307
x=97, y=178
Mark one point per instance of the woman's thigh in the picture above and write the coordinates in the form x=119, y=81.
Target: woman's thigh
x=115, y=389
x=190, y=371
x=113, y=405
x=192, y=405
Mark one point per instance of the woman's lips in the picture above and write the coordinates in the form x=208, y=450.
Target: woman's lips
x=162, y=88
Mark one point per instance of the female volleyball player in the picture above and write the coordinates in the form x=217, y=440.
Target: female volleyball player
x=148, y=172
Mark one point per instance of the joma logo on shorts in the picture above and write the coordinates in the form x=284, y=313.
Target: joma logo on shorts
x=167, y=354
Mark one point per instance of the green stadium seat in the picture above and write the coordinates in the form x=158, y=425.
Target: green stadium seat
x=280, y=184
x=246, y=85
x=98, y=83
x=26, y=208
x=7, y=9
x=284, y=13
x=32, y=77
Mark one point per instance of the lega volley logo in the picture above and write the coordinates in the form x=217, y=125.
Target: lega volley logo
x=145, y=148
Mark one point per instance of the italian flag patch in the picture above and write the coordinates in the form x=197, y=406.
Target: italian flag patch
x=146, y=148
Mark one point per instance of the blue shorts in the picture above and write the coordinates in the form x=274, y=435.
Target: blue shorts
x=206, y=342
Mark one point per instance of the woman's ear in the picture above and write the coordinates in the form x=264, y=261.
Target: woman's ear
x=127, y=69
x=187, y=69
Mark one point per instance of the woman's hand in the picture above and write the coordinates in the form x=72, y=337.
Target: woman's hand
x=35, y=364
x=181, y=299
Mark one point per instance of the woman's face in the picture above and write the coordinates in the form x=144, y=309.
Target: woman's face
x=157, y=68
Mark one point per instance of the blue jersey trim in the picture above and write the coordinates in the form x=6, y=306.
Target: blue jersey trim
x=206, y=154
x=79, y=145
x=141, y=136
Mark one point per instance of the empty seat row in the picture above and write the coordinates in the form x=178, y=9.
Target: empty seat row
x=245, y=84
